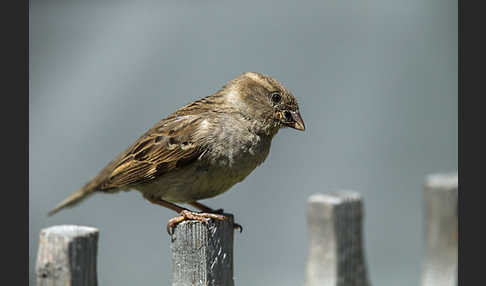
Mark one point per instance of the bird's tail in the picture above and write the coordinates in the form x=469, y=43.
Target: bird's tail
x=73, y=199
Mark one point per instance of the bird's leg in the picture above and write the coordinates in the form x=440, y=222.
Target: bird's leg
x=185, y=214
x=207, y=209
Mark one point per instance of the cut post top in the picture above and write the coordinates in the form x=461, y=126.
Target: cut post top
x=445, y=181
x=70, y=231
x=335, y=198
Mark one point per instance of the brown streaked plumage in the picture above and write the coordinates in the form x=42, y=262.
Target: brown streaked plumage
x=202, y=149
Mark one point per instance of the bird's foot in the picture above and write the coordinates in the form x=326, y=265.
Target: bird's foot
x=188, y=215
x=202, y=217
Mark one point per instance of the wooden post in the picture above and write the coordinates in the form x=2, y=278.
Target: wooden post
x=202, y=254
x=336, y=254
x=67, y=256
x=441, y=230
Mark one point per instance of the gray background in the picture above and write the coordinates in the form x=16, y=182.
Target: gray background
x=377, y=85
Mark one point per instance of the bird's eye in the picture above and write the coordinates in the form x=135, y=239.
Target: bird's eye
x=276, y=97
x=287, y=115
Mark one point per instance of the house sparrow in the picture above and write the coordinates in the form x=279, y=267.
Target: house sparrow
x=202, y=149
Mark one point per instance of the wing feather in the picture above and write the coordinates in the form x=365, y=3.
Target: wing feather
x=169, y=145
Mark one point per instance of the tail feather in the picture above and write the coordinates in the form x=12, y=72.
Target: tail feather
x=72, y=200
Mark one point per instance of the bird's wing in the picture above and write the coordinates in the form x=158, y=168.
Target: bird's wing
x=170, y=144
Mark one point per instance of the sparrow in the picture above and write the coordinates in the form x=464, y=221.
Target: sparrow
x=201, y=150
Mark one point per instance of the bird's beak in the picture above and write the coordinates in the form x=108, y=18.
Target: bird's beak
x=298, y=122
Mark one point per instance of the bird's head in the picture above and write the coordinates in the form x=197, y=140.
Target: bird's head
x=264, y=98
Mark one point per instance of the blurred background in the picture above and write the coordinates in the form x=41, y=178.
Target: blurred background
x=377, y=85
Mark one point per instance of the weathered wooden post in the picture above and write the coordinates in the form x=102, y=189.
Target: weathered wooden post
x=441, y=230
x=335, y=254
x=202, y=253
x=67, y=256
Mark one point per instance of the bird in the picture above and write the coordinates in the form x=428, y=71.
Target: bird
x=201, y=150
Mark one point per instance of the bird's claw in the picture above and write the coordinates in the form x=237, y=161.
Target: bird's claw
x=188, y=215
x=238, y=226
x=202, y=217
